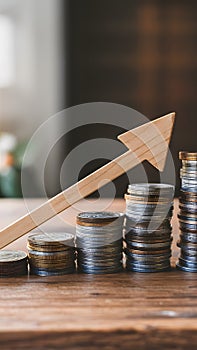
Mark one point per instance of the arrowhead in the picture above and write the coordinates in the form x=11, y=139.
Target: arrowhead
x=150, y=141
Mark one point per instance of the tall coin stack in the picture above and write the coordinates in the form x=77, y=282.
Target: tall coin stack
x=13, y=263
x=188, y=213
x=51, y=253
x=147, y=232
x=99, y=242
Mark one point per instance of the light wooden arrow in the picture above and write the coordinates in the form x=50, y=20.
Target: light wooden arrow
x=149, y=141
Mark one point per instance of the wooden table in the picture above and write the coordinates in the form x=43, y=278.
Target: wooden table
x=122, y=311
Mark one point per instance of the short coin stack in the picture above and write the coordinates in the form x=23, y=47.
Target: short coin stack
x=188, y=213
x=148, y=228
x=99, y=242
x=51, y=253
x=13, y=263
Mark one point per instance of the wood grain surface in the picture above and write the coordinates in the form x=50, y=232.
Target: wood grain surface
x=120, y=311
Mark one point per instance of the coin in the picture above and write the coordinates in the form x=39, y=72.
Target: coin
x=188, y=257
x=93, y=270
x=99, y=242
x=49, y=272
x=188, y=172
x=192, y=156
x=13, y=263
x=155, y=189
x=148, y=225
x=130, y=226
x=188, y=212
x=189, y=164
x=12, y=256
x=181, y=265
x=185, y=226
x=147, y=252
x=147, y=239
x=188, y=217
x=50, y=241
x=188, y=263
x=147, y=257
x=187, y=208
x=149, y=265
x=147, y=230
x=188, y=237
x=187, y=245
x=51, y=253
x=98, y=217
x=148, y=269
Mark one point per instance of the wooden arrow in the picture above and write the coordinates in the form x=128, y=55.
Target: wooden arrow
x=147, y=142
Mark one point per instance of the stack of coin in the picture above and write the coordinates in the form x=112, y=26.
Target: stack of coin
x=147, y=232
x=13, y=263
x=188, y=213
x=51, y=254
x=99, y=242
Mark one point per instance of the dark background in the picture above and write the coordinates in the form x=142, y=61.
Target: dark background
x=138, y=53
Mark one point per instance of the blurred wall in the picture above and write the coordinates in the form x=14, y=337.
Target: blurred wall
x=138, y=53
x=37, y=90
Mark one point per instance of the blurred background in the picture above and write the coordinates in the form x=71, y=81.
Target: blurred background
x=59, y=53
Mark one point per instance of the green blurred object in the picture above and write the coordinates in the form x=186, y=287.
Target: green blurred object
x=10, y=182
x=18, y=153
x=11, y=157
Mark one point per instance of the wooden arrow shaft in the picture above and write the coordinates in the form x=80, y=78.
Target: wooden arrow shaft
x=68, y=197
x=149, y=141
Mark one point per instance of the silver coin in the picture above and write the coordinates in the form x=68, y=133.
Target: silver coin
x=149, y=245
x=99, y=242
x=187, y=246
x=148, y=258
x=155, y=265
x=187, y=218
x=188, y=174
x=148, y=270
x=188, y=209
x=188, y=237
x=184, y=268
x=97, y=217
x=12, y=256
x=185, y=226
x=51, y=237
x=188, y=263
x=191, y=258
x=92, y=271
x=47, y=272
x=189, y=163
x=151, y=188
